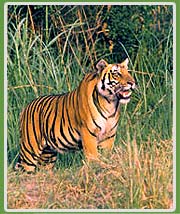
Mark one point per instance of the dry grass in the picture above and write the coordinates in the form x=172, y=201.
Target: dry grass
x=136, y=177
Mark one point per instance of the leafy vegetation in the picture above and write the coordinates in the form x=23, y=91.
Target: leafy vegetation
x=49, y=49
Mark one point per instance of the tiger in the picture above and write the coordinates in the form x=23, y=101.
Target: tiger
x=85, y=118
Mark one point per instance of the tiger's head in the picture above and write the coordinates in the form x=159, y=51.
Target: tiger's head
x=114, y=81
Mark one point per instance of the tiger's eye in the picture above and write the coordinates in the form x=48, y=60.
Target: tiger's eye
x=116, y=74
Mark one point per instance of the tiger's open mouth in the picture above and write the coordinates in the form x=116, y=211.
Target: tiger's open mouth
x=123, y=93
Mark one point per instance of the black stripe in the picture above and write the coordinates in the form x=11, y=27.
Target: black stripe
x=68, y=107
x=92, y=133
x=52, y=130
x=55, y=117
x=34, y=126
x=62, y=124
x=48, y=160
x=93, y=120
x=40, y=110
x=114, y=125
x=25, y=150
x=71, y=99
x=41, y=100
x=108, y=138
x=63, y=135
x=96, y=102
x=46, y=115
x=71, y=130
x=75, y=104
x=27, y=163
x=51, y=141
x=63, y=109
x=69, y=120
x=77, y=132
x=47, y=105
x=48, y=150
x=111, y=136
x=109, y=75
x=110, y=92
x=78, y=142
x=116, y=108
x=47, y=123
x=23, y=155
x=77, y=109
x=91, y=76
x=95, y=123
x=41, y=124
x=111, y=82
x=103, y=80
x=27, y=130
x=107, y=99
x=65, y=146
x=48, y=155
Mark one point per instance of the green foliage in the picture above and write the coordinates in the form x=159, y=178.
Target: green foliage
x=131, y=25
x=51, y=47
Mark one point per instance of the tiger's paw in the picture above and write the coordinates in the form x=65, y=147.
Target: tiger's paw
x=24, y=168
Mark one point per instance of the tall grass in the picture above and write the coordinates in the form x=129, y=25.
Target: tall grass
x=137, y=178
x=38, y=64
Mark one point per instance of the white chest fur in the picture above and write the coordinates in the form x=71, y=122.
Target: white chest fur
x=107, y=127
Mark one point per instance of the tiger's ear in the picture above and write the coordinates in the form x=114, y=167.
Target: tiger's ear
x=101, y=65
x=124, y=64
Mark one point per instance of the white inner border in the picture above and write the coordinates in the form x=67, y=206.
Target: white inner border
x=5, y=107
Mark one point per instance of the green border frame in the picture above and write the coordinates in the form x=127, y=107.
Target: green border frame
x=2, y=98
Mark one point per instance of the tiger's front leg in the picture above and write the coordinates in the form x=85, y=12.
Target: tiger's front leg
x=107, y=144
x=89, y=143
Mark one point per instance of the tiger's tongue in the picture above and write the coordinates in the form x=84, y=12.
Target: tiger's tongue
x=124, y=93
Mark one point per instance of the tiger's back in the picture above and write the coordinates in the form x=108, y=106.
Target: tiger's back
x=84, y=118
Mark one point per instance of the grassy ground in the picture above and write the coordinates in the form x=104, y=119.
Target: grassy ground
x=140, y=169
x=136, y=177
